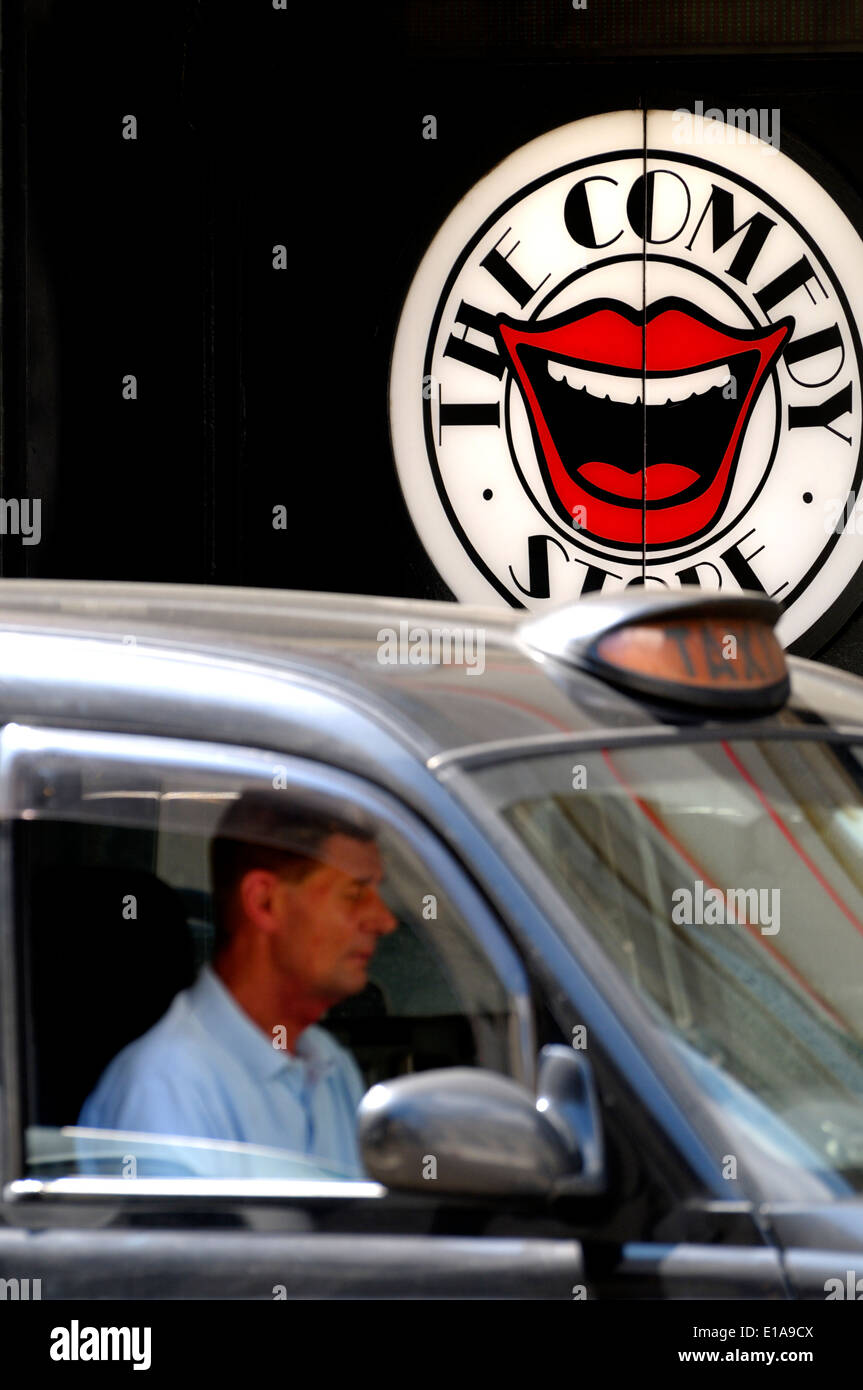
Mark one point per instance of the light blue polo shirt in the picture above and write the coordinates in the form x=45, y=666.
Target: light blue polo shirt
x=205, y=1070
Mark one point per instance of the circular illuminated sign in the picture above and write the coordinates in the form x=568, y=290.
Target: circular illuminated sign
x=632, y=356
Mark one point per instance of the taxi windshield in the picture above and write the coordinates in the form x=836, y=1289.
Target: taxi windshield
x=725, y=881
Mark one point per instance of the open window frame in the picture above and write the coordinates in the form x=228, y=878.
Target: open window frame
x=39, y=778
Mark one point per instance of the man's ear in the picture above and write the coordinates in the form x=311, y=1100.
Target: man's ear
x=256, y=898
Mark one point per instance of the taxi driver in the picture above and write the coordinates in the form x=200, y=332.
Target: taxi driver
x=239, y=1055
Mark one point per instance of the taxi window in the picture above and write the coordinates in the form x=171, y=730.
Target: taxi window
x=725, y=882
x=187, y=1015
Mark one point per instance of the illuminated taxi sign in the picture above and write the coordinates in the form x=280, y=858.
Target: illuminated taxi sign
x=710, y=661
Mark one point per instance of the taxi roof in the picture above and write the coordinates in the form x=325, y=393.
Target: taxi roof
x=333, y=642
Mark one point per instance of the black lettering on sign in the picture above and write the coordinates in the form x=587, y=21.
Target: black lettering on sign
x=808, y=416
x=739, y=565
x=594, y=580
x=690, y=574
x=537, y=564
x=812, y=345
x=794, y=278
x=721, y=204
x=639, y=206
x=577, y=216
x=474, y=413
x=470, y=353
x=507, y=276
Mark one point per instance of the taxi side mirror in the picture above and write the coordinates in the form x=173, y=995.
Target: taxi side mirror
x=470, y=1132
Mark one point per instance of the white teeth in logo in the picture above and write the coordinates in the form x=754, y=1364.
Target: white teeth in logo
x=626, y=390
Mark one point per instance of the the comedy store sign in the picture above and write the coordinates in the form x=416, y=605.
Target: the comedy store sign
x=632, y=356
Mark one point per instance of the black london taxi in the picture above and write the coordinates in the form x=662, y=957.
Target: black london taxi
x=614, y=1049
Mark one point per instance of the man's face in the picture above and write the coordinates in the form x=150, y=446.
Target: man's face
x=329, y=923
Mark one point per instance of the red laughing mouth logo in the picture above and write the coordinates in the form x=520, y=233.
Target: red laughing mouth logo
x=633, y=416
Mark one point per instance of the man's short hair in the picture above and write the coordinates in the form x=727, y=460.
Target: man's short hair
x=266, y=830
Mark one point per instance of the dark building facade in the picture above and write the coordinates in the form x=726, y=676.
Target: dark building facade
x=215, y=214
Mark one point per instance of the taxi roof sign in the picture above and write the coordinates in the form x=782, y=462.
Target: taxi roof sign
x=719, y=654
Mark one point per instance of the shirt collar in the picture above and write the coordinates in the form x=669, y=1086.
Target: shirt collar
x=218, y=1012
